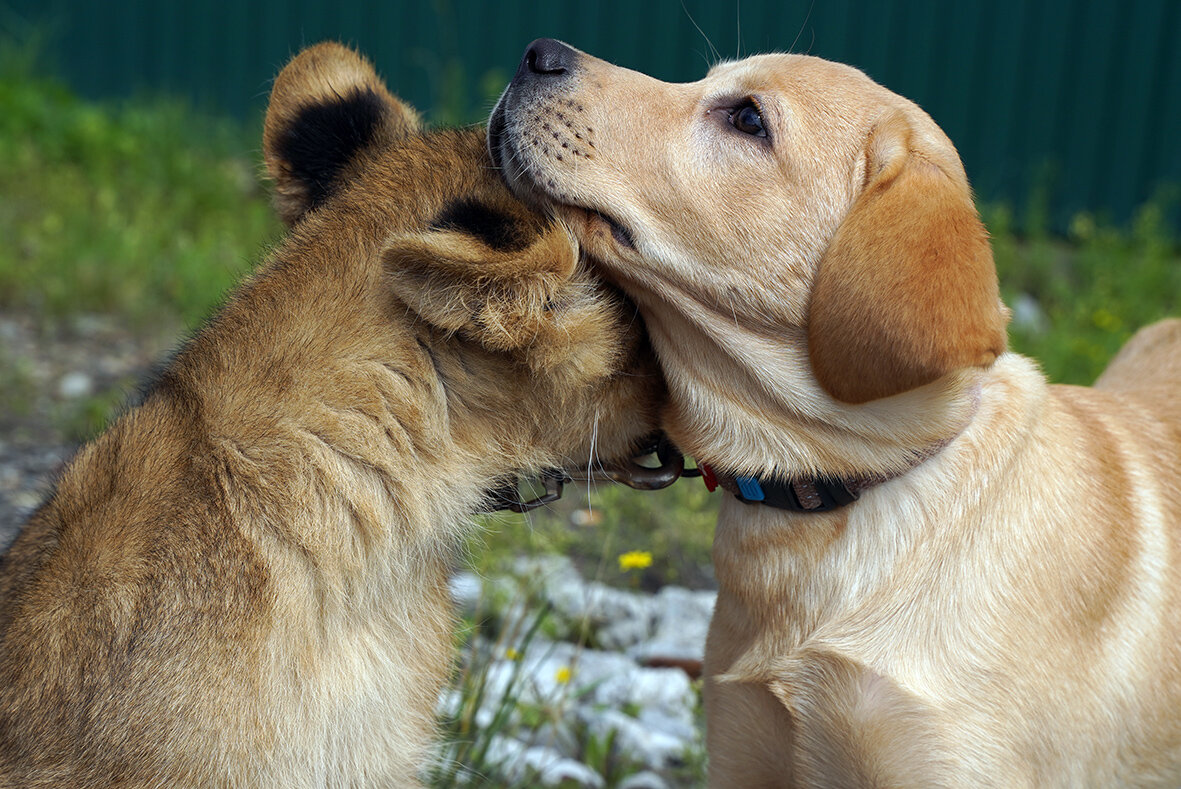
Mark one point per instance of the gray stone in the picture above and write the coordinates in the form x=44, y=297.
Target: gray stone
x=74, y=385
x=466, y=590
x=554, y=769
x=681, y=623
x=667, y=688
x=1028, y=314
x=650, y=747
x=644, y=780
x=25, y=501
x=651, y=714
x=516, y=761
x=618, y=618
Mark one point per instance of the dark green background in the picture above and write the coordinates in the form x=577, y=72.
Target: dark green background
x=1055, y=106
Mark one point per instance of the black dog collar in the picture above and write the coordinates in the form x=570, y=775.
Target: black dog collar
x=803, y=495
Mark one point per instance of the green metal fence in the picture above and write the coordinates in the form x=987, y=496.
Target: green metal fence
x=1073, y=103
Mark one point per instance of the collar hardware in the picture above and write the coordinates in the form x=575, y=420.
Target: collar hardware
x=671, y=465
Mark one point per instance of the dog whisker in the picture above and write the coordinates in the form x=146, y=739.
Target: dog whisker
x=717, y=56
x=803, y=26
x=738, y=35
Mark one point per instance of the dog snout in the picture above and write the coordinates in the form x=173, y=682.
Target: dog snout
x=547, y=58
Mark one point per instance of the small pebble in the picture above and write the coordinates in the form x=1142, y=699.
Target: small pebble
x=75, y=385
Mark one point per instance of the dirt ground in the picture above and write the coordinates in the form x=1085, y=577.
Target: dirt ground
x=56, y=383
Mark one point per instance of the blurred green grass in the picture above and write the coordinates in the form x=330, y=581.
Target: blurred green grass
x=1094, y=288
x=151, y=211
x=144, y=209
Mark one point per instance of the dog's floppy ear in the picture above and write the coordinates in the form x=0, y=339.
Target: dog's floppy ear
x=907, y=290
x=326, y=107
x=509, y=287
x=492, y=277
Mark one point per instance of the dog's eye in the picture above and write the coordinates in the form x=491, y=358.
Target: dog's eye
x=747, y=119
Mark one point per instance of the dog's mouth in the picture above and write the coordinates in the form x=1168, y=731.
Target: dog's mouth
x=521, y=179
x=621, y=234
x=593, y=221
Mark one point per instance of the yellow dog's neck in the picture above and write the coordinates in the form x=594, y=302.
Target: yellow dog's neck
x=810, y=495
x=745, y=401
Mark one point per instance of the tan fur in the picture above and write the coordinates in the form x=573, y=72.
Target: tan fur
x=913, y=248
x=1004, y=610
x=243, y=581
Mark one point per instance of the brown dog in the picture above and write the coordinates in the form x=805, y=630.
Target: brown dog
x=941, y=571
x=243, y=581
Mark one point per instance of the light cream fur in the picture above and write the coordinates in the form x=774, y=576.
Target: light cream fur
x=1005, y=610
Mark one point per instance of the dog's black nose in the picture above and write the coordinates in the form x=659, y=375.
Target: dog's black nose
x=547, y=57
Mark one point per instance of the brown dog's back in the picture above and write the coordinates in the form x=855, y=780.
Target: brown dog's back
x=243, y=581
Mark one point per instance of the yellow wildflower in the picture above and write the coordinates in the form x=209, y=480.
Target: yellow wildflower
x=1082, y=227
x=512, y=653
x=1105, y=320
x=563, y=675
x=635, y=560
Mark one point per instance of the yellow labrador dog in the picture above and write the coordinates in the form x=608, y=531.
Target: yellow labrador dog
x=936, y=570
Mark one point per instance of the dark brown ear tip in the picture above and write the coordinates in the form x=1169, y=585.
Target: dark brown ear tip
x=327, y=105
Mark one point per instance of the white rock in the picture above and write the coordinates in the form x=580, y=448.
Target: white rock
x=644, y=780
x=652, y=748
x=505, y=752
x=592, y=667
x=582, y=692
x=681, y=623
x=1028, y=314
x=25, y=501
x=664, y=698
x=553, y=769
x=75, y=385
x=619, y=619
x=675, y=602
x=450, y=703
x=668, y=688
x=681, y=724
x=516, y=761
x=466, y=590
x=536, y=676
x=90, y=323
x=559, y=734
x=544, y=567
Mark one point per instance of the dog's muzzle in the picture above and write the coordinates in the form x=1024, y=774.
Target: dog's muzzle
x=545, y=64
